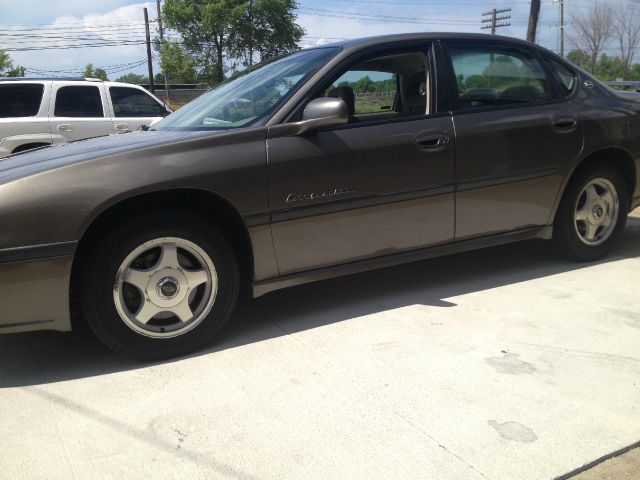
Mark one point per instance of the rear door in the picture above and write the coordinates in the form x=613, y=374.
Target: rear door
x=23, y=118
x=516, y=133
x=78, y=110
x=133, y=107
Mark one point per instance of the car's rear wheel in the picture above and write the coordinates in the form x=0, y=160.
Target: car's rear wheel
x=592, y=214
x=159, y=286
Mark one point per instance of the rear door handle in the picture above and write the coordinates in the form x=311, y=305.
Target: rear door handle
x=64, y=127
x=433, y=140
x=565, y=122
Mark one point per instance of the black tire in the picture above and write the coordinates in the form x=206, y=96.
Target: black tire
x=99, y=270
x=565, y=233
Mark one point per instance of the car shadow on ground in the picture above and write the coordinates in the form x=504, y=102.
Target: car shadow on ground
x=46, y=357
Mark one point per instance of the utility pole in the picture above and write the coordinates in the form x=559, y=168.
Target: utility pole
x=561, y=2
x=250, y=33
x=534, y=13
x=152, y=88
x=494, y=19
x=164, y=74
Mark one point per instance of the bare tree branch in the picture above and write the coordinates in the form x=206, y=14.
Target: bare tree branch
x=593, y=29
x=626, y=31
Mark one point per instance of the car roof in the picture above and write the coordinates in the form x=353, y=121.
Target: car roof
x=48, y=79
x=382, y=39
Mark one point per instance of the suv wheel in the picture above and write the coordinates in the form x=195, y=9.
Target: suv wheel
x=593, y=213
x=153, y=291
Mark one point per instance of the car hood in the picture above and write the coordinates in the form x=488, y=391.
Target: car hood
x=48, y=158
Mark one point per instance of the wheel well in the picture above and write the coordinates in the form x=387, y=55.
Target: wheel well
x=618, y=158
x=210, y=206
x=28, y=146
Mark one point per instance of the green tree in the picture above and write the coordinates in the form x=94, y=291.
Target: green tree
x=177, y=63
x=270, y=30
x=90, y=72
x=364, y=85
x=6, y=66
x=218, y=34
x=134, y=78
x=609, y=68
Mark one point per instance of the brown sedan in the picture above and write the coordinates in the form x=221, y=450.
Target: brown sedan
x=325, y=162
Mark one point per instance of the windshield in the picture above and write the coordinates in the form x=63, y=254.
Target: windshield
x=249, y=97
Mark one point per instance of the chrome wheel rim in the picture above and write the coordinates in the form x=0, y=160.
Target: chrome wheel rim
x=165, y=287
x=596, y=212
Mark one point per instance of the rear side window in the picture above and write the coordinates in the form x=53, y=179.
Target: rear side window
x=78, y=101
x=131, y=102
x=20, y=100
x=567, y=79
x=488, y=75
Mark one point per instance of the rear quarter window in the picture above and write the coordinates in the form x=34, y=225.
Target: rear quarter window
x=20, y=100
x=566, y=78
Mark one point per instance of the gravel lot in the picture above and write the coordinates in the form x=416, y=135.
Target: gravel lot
x=506, y=363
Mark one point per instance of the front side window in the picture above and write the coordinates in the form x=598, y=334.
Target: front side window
x=131, y=102
x=385, y=87
x=489, y=76
x=250, y=96
x=79, y=101
x=20, y=100
x=373, y=91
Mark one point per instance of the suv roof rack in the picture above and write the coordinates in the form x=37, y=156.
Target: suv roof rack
x=39, y=79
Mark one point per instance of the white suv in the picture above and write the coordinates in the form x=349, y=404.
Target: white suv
x=38, y=112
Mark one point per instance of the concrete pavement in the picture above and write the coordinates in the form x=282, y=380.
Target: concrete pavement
x=506, y=363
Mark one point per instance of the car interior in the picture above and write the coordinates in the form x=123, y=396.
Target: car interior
x=384, y=88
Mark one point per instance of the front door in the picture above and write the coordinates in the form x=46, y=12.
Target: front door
x=133, y=107
x=379, y=185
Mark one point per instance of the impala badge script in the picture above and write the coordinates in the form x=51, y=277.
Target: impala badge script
x=298, y=197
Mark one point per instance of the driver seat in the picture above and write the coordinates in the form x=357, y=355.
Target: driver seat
x=347, y=95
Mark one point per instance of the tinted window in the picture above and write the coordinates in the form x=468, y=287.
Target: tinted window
x=20, y=100
x=567, y=78
x=80, y=101
x=492, y=76
x=131, y=102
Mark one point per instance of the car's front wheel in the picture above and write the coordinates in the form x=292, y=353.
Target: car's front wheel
x=592, y=214
x=159, y=286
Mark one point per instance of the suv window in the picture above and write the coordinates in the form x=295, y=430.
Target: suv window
x=20, y=100
x=489, y=75
x=78, y=101
x=131, y=102
x=568, y=79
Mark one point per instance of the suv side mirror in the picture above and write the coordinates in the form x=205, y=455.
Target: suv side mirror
x=319, y=113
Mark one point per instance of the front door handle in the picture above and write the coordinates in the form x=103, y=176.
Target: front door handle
x=565, y=122
x=64, y=127
x=433, y=140
x=122, y=127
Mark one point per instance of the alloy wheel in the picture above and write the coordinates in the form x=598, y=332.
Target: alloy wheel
x=165, y=287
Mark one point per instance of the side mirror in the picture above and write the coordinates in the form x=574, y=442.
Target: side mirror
x=319, y=113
